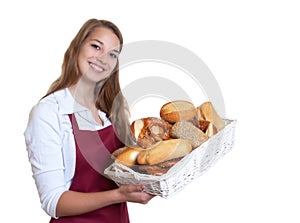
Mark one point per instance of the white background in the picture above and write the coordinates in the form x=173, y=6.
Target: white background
x=251, y=47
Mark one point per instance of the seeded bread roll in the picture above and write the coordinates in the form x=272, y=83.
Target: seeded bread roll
x=175, y=111
x=187, y=131
x=150, y=130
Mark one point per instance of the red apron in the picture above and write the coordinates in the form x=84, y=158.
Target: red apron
x=93, y=149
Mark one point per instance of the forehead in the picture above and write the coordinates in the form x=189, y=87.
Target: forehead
x=105, y=36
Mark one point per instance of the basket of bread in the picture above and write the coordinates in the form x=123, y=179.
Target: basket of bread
x=173, y=149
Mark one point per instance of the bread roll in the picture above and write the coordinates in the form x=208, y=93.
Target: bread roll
x=148, y=131
x=200, y=124
x=117, y=152
x=205, y=126
x=175, y=111
x=164, y=150
x=187, y=131
x=207, y=112
x=129, y=155
x=211, y=130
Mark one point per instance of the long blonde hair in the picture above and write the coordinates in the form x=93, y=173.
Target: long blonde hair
x=108, y=92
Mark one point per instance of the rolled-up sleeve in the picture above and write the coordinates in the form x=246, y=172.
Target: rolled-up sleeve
x=44, y=145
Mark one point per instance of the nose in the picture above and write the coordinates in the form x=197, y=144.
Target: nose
x=103, y=57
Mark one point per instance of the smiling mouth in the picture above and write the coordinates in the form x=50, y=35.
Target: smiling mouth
x=96, y=67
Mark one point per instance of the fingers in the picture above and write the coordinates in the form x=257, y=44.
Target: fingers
x=133, y=188
x=145, y=199
x=135, y=193
x=140, y=188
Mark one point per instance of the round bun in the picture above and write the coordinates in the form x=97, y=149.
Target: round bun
x=175, y=111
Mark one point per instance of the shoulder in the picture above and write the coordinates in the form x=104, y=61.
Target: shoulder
x=45, y=108
x=47, y=111
x=49, y=105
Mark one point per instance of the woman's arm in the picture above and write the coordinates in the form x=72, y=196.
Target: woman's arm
x=75, y=203
x=44, y=146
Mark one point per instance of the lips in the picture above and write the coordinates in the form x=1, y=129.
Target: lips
x=97, y=67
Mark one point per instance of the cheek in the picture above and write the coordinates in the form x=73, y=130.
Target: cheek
x=80, y=64
x=82, y=60
x=112, y=64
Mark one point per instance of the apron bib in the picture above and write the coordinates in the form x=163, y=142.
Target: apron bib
x=93, y=149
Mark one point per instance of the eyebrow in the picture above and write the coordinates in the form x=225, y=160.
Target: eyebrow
x=100, y=42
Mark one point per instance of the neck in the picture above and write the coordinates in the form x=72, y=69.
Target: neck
x=83, y=93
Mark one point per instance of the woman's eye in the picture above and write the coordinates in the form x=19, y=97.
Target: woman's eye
x=96, y=46
x=114, y=55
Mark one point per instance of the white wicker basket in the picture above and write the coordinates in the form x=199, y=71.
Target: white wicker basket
x=182, y=173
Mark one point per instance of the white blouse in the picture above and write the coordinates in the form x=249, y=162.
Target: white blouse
x=51, y=146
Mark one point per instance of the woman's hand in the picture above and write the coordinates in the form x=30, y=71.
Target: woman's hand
x=75, y=203
x=134, y=193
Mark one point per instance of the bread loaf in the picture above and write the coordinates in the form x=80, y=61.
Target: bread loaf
x=175, y=111
x=187, y=131
x=164, y=150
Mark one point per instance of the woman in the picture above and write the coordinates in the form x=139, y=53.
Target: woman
x=70, y=133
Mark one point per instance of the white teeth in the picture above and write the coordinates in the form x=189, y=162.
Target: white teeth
x=96, y=68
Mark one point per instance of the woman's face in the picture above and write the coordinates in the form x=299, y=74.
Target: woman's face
x=98, y=55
